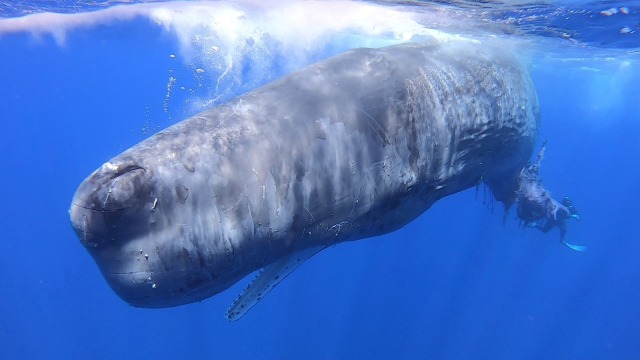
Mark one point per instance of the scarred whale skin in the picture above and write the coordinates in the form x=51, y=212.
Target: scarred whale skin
x=349, y=148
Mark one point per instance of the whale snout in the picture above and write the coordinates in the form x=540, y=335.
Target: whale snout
x=125, y=216
x=101, y=202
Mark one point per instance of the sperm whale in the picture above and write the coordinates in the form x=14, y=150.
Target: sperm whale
x=349, y=148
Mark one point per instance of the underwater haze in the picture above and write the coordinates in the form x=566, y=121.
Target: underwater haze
x=84, y=81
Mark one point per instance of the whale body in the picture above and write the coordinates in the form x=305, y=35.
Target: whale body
x=352, y=147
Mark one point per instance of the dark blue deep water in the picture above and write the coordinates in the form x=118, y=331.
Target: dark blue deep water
x=457, y=283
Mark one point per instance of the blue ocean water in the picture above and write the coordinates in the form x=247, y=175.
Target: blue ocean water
x=457, y=283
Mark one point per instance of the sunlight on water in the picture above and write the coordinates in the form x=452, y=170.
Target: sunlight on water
x=605, y=98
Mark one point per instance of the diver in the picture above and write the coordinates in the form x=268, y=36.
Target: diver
x=552, y=215
x=536, y=207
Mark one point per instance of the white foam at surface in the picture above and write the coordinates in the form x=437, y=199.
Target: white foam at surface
x=223, y=37
x=239, y=44
x=310, y=21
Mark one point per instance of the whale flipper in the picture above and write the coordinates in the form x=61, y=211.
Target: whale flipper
x=266, y=280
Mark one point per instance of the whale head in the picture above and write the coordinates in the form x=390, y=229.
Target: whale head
x=139, y=221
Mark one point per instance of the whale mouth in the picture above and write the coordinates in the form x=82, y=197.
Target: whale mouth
x=151, y=287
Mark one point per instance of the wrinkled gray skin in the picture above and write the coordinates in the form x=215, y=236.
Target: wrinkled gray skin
x=353, y=147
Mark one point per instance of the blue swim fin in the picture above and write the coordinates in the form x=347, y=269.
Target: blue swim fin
x=575, y=247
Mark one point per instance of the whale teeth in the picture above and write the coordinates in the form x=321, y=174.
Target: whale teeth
x=266, y=280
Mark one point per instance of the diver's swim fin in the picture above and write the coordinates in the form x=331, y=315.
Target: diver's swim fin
x=574, y=247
